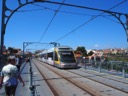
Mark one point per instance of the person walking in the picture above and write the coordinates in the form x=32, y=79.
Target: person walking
x=10, y=76
x=18, y=62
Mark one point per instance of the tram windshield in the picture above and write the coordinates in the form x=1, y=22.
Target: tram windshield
x=67, y=56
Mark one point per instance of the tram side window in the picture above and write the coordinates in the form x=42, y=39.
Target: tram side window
x=42, y=56
x=45, y=56
x=50, y=55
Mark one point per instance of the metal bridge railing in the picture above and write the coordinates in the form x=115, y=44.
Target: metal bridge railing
x=115, y=67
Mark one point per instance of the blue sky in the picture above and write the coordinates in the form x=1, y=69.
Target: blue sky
x=30, y=24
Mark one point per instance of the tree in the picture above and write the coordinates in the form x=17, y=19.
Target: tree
x=90, y=53
x=82, y=50
x=12, y=50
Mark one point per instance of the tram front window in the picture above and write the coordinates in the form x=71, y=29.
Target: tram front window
x=67, y=56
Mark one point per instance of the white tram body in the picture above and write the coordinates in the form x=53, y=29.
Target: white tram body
x=60, y=56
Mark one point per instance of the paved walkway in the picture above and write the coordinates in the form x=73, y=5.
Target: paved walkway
x=41, y=88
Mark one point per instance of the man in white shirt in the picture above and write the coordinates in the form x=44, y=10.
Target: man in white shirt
x=9, y=77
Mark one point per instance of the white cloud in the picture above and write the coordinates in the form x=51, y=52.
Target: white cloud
x=96, y=45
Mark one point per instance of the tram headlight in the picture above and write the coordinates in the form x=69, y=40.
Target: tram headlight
x=62, y=64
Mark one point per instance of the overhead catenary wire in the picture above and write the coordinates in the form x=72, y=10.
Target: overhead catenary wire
x=46, y=29
x=88, y=21
x=50, y=23
x=84, y=7
x=93, y=17
x=111, y=19
x=46, y=8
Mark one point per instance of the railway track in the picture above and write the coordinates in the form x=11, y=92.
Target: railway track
x=88, y=86
x=106, y=81
x=75, y=91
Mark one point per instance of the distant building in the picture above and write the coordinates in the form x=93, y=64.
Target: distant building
x=110, y=51
x=78, y=54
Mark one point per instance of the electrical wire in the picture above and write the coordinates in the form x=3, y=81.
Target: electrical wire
x=88, y=21
x=45, y=8
x=93, y=17
x=50, y=23
x=111, y=19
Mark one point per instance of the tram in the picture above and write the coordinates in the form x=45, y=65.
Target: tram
x=60, y=56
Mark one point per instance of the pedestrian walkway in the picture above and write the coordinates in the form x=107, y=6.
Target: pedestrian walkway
x=24, y=91
x=41, y=88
